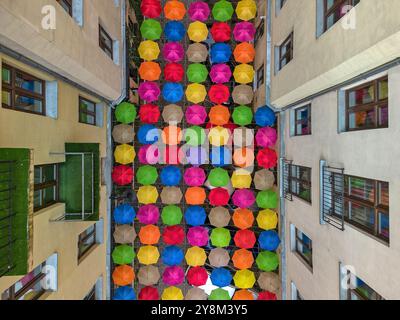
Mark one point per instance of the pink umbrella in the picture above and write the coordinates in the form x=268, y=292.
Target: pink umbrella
x=148, y=154
x=149, y=91
x=194, y=177
x=173, y=275
x=196, y=115
x=266, y=137
x=173, y=52
x=148, y=214
x=243, y=198
x=199, y=11
x=220, y=73
x=244, y=31
x=197, y=236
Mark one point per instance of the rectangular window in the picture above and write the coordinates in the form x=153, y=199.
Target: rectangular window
x=334, y=10
x=22, y=91
x=67, y=5
x=260, y=76
x=87, y=111
x=367, y=106
x=86, y=240
x=302, y=121
x=299, y=182
x=259, y=31
x=359, y=290
x=106, y=42
x=303, y=246
x=46, y=186
x=286, y=51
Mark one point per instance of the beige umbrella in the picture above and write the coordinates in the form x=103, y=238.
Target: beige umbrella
x=123, y=133
x=219, y=217
x=243, y=137
x=172, y=114
x=243, y=94
x=124, y=234
x=264, y=179
x=269, y=281
x=219, y=257
x=196, y=294
x=197, y=52
x=171, y=195
x=148, y=275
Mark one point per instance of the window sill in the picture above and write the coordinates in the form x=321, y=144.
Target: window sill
x=301, y=259
x=301, y=199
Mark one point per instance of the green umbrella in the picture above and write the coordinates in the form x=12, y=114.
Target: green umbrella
x=197, y=72
x=146, y=175
x=220, y=237
x=218, y=177
x=123, y=254
x=219, y=294
x=195, y=136
x=222, y=10
x=151, y=29
x=242, y=115
x=171, y=215
x=125, y=112
x=267, y=261
x=267, y=199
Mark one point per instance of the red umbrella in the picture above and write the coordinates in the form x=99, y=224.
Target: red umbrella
x=151, y=8
x=173, y=235
x=197, y=276
x=219, y=93
x=267, y=158
x=149, y=113
x=219, y=197
x=245, y=239
x=266, y=295
x=122, y=175
x=149, y=293
x=172, y=155
x=173, y=72
x=221, y=32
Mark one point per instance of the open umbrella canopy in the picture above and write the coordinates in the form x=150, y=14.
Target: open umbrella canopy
x=124, y=154
x=266, y=295
x=196, y=93
x=197, y=236
x=269, y=240
x=195, y=216
x=124, y=293
x=219, y=294
x=221, y=277
x=173, y=235
x=123, y=133
x=267, y=219
x=149, y=234
x=264, y=179
x=123, y=254
x=218, y=177
x=218, y=136
x=244, y=279
x=174, y=10
x=171, y=135
x=244, y=32
x=123, y=275
x=267, y=261
x=195, y=196
x=219, y=257
x=194, y=176
x=124, y=214
x=171, y=155
x=245, y=239
x=149, y=71
x=243, y=259
x=220, y=53
x=174, y=31
x=199, y=11
x=221, y=32
x=243, y=137
x=267, y=158
x=220, y=73
x=243, y=218
x=197, y=72
x=149, y=91
x=125, y=113
x=172, y=92
x=196, y=115
x=172, y=293
x=196, y=294
x=195, y=257
x=172, y=256
x=222, y=10
x=173, y=275
x=149, y=293
x=243, y=157
x=243, y=73
x=220, y=237
x=149, y=113
x=149, y=50
x=147, y=194
x=197, y=52
x=148, y=134
x=148, y=255
x=243, y=94
x=124, y=234
x=198, y=31
x=148, y=214
x=151, y=29
x=265, y=117
x=196, y=156
x=173, y=52
x=219, y=115
x=151, y=8
x=219, y=93
x=194, y=136
x=246, y=10
x=243, y=295
x=172, y=114
x=219, y=197
x=269, y=281
x=241, y=179
x=148, y=275
x=243, y=198
x=171, y=195
x=242, y=116
x=266, y=137
x=220, y=156
x=173, y=72
x=244, y=53
x=146, y=175
x=122, y=175
x=170, y=176
x=197, y=276
x=171, y=215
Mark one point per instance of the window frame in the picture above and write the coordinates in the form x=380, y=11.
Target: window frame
x=281, y=3
x=299, y=121
x=67, y=3
x=260, y=79
x=350, y=290
x=85, y=236
x=309, y=246
x=289, y=53
x=109, y=51
x=296, y=180
x=91, y=294
x=260, y=30
x=44, y=185
x=90, y=113
x=336, y=4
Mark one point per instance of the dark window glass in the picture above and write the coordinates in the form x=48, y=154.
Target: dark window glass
x=260, y=76
x=46, y=184
x=359, y=290
x=286, y=51
x=334, y=10
x=303, y=121
x=87, y=111
x=87, y=240
x=304, y=246
x=300, y=182
x=105, y=42
x=67, y=5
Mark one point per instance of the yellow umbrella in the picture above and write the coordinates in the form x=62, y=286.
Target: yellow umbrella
x=241, y=179
x=148, y=255
x=246, y=10
x=147, y=194
x=243, y=73
x=172, y=293
x=124, y=154
x=267, y=219
x=198, y=31
x=149, y=50
x=218, y=136
x=196, y=93
x=195, y=257
x=244, y=279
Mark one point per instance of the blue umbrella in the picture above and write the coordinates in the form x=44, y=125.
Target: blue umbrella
x=172, y=92
x=221, y=277
x=269, y=240
x=195, y=216
x=124, y=293
x=148, y=134
x=174, y=31
x=220, y=53
x=220, y=156
x=172, y=256
x=265, y=117
x=124, y=214
x=170, y=176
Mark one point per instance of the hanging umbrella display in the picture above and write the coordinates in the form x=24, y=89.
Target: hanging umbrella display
x=267, y=158
x=245, y=239
x=264, y=179
x=243, y=73
x=174, y=10
x=220, y=156
x=269, y=240
x=241, y=179
x=243, y=198
x=148, y=255
x=198, y=31
x=197, y=236
x=194, y=177
x=242, y=259
x=265, y=117
x=146, y=175
x=244, y=279
x=151, y=29
x=172, y=293
x=172, y=114
x=242, y=115
x=172, y=92
x=151, y=8
x=243, y=295
x=197, y=276
x=220, y=53
x=171, y=135
x=124, y=214
x=124, y=293
x=195, y=257
x=222, y=10
x=219, y=257
x=197, y=72
x=148, y=154
x=266, y=137
x=170, y=176
x=171, y=195
x=219, y=197
x=172, y=155
x=149, y=50
x=148, y=275
x=269, y=281
x=219, y=115
x=124, y=154
x=221, y=32
x=199, y=11
x=220, y=73
x=220, y=237
x=123, y=133
x=219, y=294
x=194, y=136
x=173, y=235
x=221, y=277
x=267, y=219
x=266, y=296
x=171, y=215
x=173, y=72
x=149, y=113
x=122, y=175
x=125, y=113
x=149, y=293
x=123, y=254
x=124, y=234
x=123, y=275
x=196, y=156
x=244, y=32
x=148, y=134
x=196, y=93
x=243, y=94
x=246, y=10
x=173, y=52
x=218, y=136
x=196, y=294
x=243, y=137
x=172, y=256
x=149, y=234
x=195, y=115
x=243, y=218
x=197, y=52
x=148, y=214
x=267, y=261
x=173, y=275
x=219, y=93
x=174, y=31
x=244, y=53
x=147, y=194
x=195, y=196
x=149, y=91
x=218, y=177
x=195, y=216
x=243, y=157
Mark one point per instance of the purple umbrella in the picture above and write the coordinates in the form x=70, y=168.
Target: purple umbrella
x=173, y=275
x=196, y=115
x=220, y=73
x=194, y=177
x=197, y=236
x=148, y=214
x=243, y=198
x=266, y=137
x=148, y=154
x=244, y=31
x=149, y=91
x=196, y=156
x=199, y=11
x=173, y=52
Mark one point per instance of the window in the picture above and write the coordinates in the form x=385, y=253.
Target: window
x=87, y=111
x=302, y=121
x=91, y=295
x=67, y=5
x=367, y=106
x=260, y=76
x=22, y=91
x=46, y=186
x=359, y=290
x=281, y=3
x=259, y=31
x=86, y=241
x=334, y=10
x=299, y=182
x=106, y=42
x=286, y=51
x=303, y=246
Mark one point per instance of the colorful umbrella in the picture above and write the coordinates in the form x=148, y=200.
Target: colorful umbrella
x=124, y=293
x=267, y=219
x=151, y=8
x=244, y=279
x=174, y=31
x=195, y=196
x=243, y=198
x=149, y=50
x=245, y=239
x=195, y=216
x=196, y=93
x=264, y=179
x=172, y=92
x=196, y=156
x=125, y=113
x=221, y=277
x=244, y=53
x=219, y=115
x=149, y=234
x=171, y=195
x=220, y=73
x=123, y=254
x=195, y=256
x=219, y=257
x=243, y=157
x=170, y=176
x=266, y=137
x=243, y=295
x=149, y=113
x=197, y=276
x=243, y=218
x=219, y=217
x=194, y=136
x=172, y=256
x=173, y=235
x=220, y=53
x=222, y=10
x=173, y=72
x=171, y=135
x=244, y=32
x=243, y=73
x=199, y=11
x=219, y=294
x=171, y=215
x=221, y=32
x=194, y=177
x=219, y=93
x=174, y=10
x=218, y=136
x=172, y=293
x=173, y=52
x=242, y=115
x=123, y=275
x=243, y=94
x=148, y=275
x=241, y=179
x=197, y=236
x=147, y=194
x=197, y=72
x=148, y=214
x=123, y=133
x=220, y=237
x=124, y=214
x=197, y=31
x=243, y=137
x=149, y=91
x=269, y=240
x=197, y=52
x=151, y=29
x=148, y=255
x=196, y=294
x=267, y=158
x=149, y=293
x=265, y=117
x=246, y=10
x=267, y=261
x=146, y=175
x=124, y=234
x=243, y=259
x=269, y=281
x=220, y=156
x=265, y=295
x=218, y=177
x=122, y=175
x=196, y=115
x=173, y=275
x=124, y=154
x=148, y=154
x=219, y=197
x=172, y=155
x=172, y=114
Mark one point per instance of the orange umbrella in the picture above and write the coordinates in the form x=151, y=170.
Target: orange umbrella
x=149, y=71
x=195, y=196
x=174, y=10
x=244, y=52
x=243, y=259
x=243, y=295
x=171, y=135
x=149, y=234
x=219, y=115
x=243, y=218
x=123, y=275
x=243, y=157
